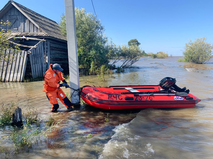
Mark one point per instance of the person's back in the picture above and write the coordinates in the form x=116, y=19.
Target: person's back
x=52, y=85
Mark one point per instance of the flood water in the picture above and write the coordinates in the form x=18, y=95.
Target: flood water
x=146, y=134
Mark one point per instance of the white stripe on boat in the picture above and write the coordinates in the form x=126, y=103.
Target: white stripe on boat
x=131, y=90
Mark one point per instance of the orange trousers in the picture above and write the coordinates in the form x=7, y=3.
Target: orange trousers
x=58, y=93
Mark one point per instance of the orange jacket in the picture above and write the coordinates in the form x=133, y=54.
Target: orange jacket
x=52, y=80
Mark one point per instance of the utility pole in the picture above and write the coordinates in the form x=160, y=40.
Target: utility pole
x=72, y=50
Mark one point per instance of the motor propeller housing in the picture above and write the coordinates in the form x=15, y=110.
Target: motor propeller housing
x=167, y=83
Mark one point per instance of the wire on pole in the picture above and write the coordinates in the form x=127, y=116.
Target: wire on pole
x=93, y=8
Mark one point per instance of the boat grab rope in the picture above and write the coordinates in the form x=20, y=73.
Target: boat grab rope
x=78, y=91
x=166, y=92
x=160, y=92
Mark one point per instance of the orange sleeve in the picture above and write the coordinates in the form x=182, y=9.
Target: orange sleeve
x=61, y=77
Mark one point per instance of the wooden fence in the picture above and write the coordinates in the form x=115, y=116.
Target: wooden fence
x=13, y=66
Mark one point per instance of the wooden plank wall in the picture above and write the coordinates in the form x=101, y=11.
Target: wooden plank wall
x=13, y=70
x=59, y=54
x=38, y=60
x=19, y=23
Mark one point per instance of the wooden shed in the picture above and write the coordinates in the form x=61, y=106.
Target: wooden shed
x=39, y=39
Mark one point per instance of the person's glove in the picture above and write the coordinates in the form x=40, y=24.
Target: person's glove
x=64, y=84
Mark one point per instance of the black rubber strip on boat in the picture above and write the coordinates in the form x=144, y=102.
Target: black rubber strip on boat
x=129, y=98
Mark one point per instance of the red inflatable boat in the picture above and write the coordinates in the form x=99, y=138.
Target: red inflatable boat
x=164, y=95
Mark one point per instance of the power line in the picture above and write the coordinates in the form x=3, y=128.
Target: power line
x=93, y=8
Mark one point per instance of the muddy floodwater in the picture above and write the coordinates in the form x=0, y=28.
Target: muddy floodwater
x=146, y=134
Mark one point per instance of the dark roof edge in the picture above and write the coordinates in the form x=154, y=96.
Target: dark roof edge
x=35, y=12
x=37, y=35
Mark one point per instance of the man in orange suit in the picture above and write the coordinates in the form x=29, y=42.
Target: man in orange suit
x=52, y=79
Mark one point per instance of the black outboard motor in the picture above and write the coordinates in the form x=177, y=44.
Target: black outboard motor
x=169, y=83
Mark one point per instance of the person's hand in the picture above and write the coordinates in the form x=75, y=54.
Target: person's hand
x=64, y=85
x=61, y=85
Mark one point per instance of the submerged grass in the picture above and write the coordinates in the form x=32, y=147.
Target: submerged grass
x=196, y=66
x=51, y=122
x=25, y=137
x=6, y=114
x=31, y=117
x=182, y=60
x=32, y=132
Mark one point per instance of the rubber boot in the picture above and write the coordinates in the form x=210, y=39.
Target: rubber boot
x=55, y=107
x=68, y=104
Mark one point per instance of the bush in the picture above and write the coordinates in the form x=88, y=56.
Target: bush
x=198, y=51
x=162, y=55
x=153, y=56
x=182, y=60
x=93, y=68
x=159, y=55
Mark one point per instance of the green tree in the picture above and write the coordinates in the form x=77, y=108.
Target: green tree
x=198, y=51
x=114, y=53
x=62, y=25
x=127, y=54
x=133, y=42
x=92, y=49
x=131, y=55
x=5, y=43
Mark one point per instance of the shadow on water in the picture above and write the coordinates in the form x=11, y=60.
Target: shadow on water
x=207, y=99
x=99, y=118
x=209, y=62
x=147, y=67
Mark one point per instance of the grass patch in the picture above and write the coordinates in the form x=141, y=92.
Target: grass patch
x=31, y=117
x=182, y=60
x=51, y=122
x=89, y=136
x=26, y=137
x=159, y=55
x=6, y=114
x=196, y=66
x=32, y=132
x=107, y=118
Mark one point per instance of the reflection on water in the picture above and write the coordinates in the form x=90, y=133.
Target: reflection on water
x=147, y=133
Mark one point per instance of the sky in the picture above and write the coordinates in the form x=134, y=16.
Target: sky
x=159, y=25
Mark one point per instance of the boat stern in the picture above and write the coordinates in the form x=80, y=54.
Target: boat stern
x=196, y=99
